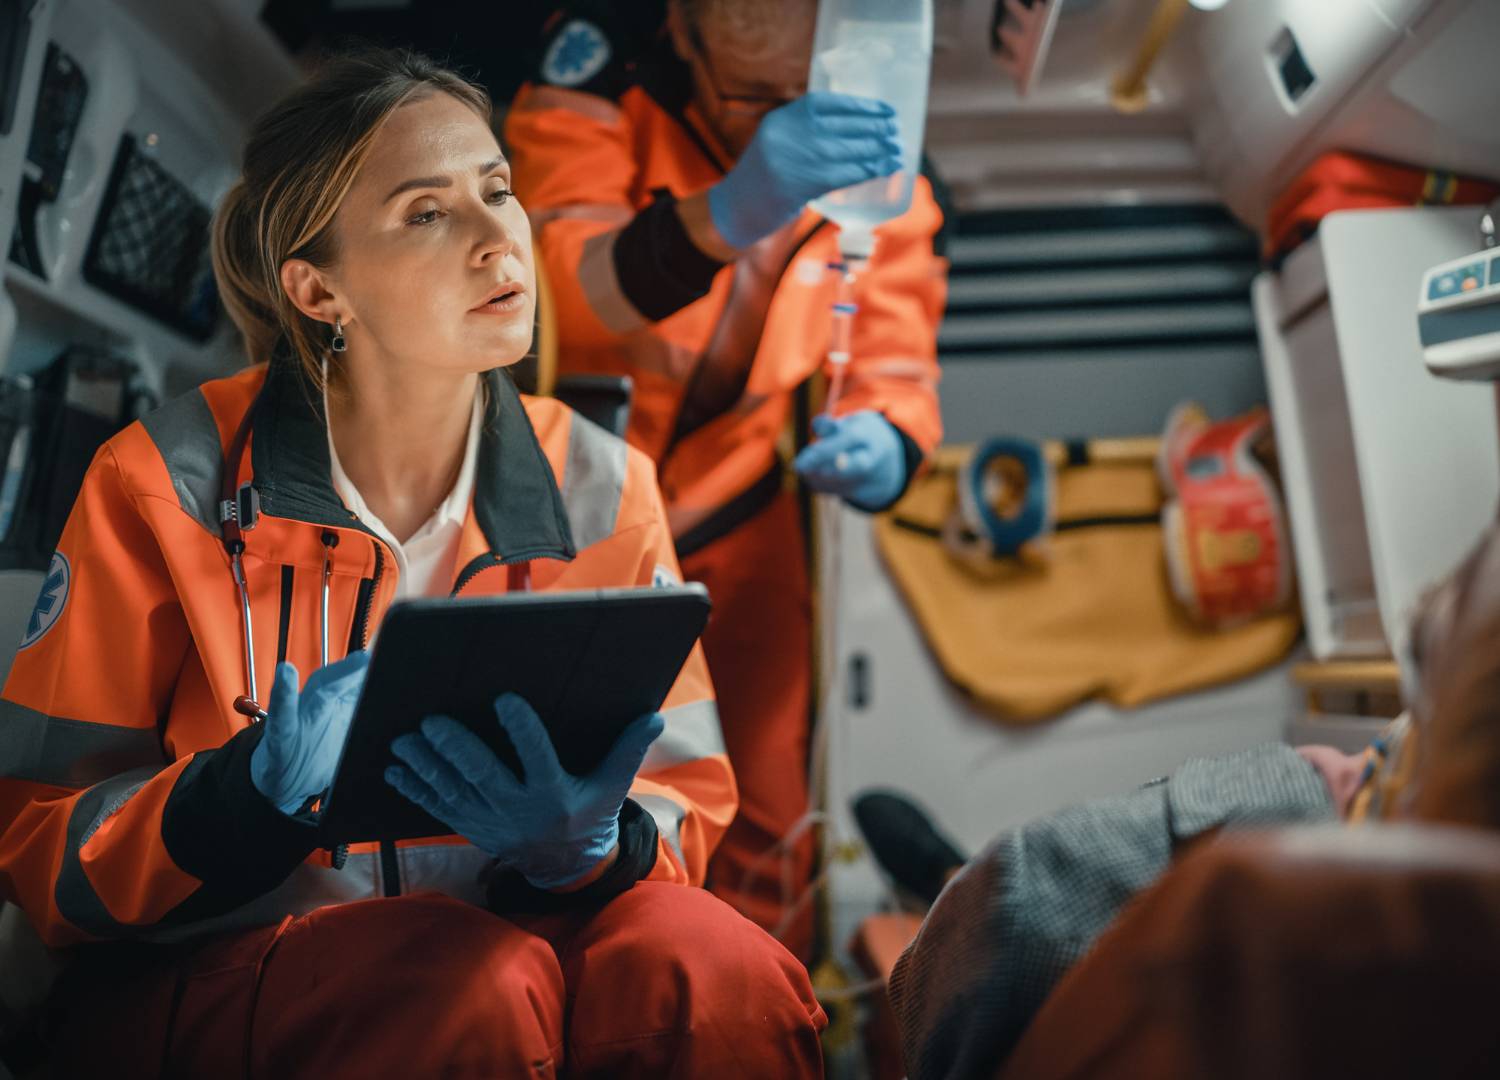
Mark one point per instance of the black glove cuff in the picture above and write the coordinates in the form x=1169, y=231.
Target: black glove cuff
x=913, y=457
x=510, y=893
x=217, y=826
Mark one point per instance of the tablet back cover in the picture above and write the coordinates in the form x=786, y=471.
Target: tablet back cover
x=588, y=662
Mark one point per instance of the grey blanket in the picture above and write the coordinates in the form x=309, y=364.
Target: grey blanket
x=1028, y=907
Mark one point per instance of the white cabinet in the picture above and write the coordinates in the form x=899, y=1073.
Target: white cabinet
x=1390, y=473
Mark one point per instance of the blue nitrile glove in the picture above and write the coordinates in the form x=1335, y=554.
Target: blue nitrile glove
x=552, y=827
x=859, y=457
x=304, y=731
x=819, y=143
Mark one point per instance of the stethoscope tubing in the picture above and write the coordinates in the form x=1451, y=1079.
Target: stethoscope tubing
x=323, y=619
x=238, y=511
x=237, y=568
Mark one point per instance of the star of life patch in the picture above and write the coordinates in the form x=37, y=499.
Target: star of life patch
x=578, y=53
x=50, y=601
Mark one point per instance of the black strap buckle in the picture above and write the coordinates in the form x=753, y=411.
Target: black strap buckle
x=243, y=509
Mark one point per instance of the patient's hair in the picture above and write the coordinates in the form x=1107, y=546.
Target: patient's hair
x=300, y=161
x=1456, y=642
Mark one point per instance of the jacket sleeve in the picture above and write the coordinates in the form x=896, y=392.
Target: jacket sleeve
x=1024, y=911
x=686, y=782
x=612, y=268
x=893, y=365
x=103, y=836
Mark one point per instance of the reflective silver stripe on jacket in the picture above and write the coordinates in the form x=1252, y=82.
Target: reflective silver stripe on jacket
x=187, y=438
x=74, y=893
x=55, y=750
x=593, y=482
x=692, y=733
x=669, y=817
x=600, y=282
x=454, y=870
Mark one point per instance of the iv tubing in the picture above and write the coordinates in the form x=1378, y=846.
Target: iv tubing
x=782, y=852
x=841, y=334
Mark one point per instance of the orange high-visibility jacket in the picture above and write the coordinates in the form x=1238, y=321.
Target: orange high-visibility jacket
x=126, y=807
x=602, y=144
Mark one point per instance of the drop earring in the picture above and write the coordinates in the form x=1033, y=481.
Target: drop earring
x=338, y=344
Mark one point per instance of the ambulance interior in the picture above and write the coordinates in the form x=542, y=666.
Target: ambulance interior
x=1112, y=171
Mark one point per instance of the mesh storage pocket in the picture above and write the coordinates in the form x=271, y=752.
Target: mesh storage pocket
x=150, y=245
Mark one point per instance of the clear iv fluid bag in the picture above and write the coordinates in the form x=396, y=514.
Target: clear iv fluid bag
x=879, y=49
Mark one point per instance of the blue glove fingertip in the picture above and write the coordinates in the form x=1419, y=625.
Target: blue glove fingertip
x=652, y=726
x=511, y=704
x=824, y=425
x=643, y=731
x=433, y=727
x=285, y=685
x=813, y=467
x=405, y=746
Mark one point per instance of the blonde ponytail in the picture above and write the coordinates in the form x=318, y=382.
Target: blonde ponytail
x=241, y=274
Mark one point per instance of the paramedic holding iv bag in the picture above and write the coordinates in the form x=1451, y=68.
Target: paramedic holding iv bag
x=668, y=177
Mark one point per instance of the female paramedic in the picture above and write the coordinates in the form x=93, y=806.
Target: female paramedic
x=381, y=272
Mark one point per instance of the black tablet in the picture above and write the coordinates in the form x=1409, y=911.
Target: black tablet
x=589, y=662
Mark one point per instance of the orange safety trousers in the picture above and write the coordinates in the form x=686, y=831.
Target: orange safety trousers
x=758, y=644
x=662, y=981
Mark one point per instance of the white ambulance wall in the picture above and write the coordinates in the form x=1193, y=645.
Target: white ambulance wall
x=186, y=80
x=1096, y=322
x=1009, y=369
x=1064, y=395
x=12, y=160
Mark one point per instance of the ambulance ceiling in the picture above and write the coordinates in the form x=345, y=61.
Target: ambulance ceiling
x=1238, y=102
x=1217, y=123
x=1064, y=143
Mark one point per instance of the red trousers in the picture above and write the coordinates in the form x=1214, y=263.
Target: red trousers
x=664, y=981
x=759, y=649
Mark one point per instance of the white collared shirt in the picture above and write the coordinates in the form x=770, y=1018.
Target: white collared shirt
x=425, y=563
